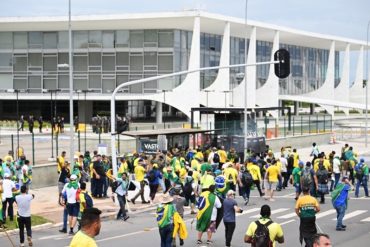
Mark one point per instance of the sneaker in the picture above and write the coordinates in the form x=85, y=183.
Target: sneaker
x=71, y=233
x=209, y=242
x=181, y=242
x=199, y=241
x=144, y=202
x=246, y=202
x=126, y=218
x=340, y=229
x=63, y=230
x=344, y=226
x=22, y=245
x=271, y=200
x=29, y=239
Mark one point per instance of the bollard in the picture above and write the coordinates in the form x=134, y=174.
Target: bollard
x=33, y=149
x=79, y=141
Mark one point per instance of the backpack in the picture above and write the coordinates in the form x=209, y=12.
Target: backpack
x=322, y=175
x=188, y=188
x=151, y=176
x=115, y=185
x=88, y=200
x=247, y=178
x=216, y=158
x=359, y=170
x=306, y=178
x=261, y=236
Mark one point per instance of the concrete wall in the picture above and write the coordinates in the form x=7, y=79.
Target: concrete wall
x=298, y=141
x=44, y=175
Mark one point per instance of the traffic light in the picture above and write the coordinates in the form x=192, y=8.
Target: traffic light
x=282, y=69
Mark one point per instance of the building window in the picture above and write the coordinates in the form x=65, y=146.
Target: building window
x=6, y=40
x=165, y=38
x=63, y=40
x=34, y=60
x=50, y=40
x=20, y=40
x=80, y=39
x=108, y=39
x=122, y=38
x=6, y=59
x=136, y=39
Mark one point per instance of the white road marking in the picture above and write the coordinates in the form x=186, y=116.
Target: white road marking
x=273, y=212
x=287, y=216
x=48, y=237
x=326, y=213
x=286, y=222
x=352, y=214
x=366, y=220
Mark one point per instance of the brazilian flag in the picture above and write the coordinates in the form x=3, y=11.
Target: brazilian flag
x=205, y=206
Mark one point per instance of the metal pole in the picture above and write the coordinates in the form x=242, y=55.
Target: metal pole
x=17, y=154
x=33, y=149
x=79, y=140
x=71, y=130
x=245, y=85
x=12, y=141
x=51, y=125
x=367, y=79
x=57, y=144
x=85, y=121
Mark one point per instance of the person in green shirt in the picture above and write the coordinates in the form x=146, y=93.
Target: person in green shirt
x=165, y=213
x=296, y=179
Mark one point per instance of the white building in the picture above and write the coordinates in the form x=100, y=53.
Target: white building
x=110, y=50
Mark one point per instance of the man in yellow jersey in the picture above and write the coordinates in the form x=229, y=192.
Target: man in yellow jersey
x=223, y=156
x=255, y=171
x=207, y=180
x=231, y=176
x=272, y=176
x=295, y=158
x=60, y=161
x=140, y=172
x=274, y=229
x=123, y=167
x=90, y=227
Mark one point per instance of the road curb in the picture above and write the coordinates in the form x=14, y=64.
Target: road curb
x=15, y=231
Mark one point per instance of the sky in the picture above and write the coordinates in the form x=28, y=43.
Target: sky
x=336, y=17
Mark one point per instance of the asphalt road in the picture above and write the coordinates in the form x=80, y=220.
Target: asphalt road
x=141, y=228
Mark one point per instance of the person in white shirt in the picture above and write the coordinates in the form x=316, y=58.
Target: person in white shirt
x=73, y=207
x=336, y=170
x=8, y=188
x=284, y=170
x=24, y=211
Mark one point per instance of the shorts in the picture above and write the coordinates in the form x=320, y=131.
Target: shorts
x=297, y=187
x=73, y=209
x=190, y=198
x=271, y=185
x=60, y=187
x=212, y=227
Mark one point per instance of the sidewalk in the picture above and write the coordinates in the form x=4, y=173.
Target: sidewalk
x=46, y=204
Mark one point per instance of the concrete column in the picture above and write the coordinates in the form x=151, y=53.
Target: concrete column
x=296, y=108
x=312, y=109
x=158, y=112
x=85, y=109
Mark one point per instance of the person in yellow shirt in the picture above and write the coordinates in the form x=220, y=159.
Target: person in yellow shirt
x=60, y=161
x=83, y=205
x=223, y=156
x=195, y=164
x=140, y=172
x=123, y=167
x=295, y=158
x=272, y=176
x=255, y=171
x=9, y=156
x=199, y=154
x=231, y=175
x=275, y=230
x=324, y=161
x=90, y=227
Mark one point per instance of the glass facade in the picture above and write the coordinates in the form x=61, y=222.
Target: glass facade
x=237, y=56
x=308, y=67
x=210, y=53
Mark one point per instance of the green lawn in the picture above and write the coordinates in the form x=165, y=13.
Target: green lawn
x=36, y=220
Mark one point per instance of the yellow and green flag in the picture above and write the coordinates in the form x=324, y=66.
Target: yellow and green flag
x=205, y=206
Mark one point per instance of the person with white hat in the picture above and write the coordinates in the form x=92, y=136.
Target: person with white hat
x=230, y=208
x=72, y=205
x=8, y=200
x=165, y=213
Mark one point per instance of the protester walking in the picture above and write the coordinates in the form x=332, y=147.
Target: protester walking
x=362, y=176
x=121, y=191
x=296, y=179
x=264, y=232
x=7, y=198
x=154, y=176
x=306, y=208
x=140, y=172
x=255, y=171
x=322, y=175
x=165, y=214
x=70, y=190
x=336, y=170
x=90, y=227
x=99, y=177
x=340, y=201
x=272, y=177
x=245, y=180
x=230, y=208
x=24, y=215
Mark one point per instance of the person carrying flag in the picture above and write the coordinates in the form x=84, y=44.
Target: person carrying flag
x=208, y=204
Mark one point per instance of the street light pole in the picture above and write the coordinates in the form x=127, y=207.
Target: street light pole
x=207, y=91
x=16, y=92
x=367, y=80
x=245, y=85
x=71, y=130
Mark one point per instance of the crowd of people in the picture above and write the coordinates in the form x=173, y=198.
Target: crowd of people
x=205, y=179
